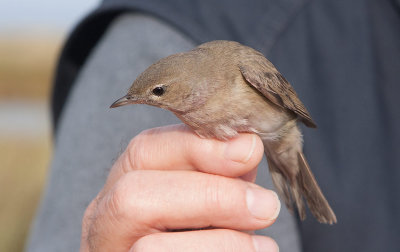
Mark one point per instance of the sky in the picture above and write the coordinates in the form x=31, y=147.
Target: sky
x=52, y=15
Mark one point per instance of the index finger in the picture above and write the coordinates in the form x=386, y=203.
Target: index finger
x=177, y=147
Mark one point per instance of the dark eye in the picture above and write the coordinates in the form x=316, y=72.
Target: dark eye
x=158, y=91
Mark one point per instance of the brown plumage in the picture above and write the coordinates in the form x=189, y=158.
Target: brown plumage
x=221, y=88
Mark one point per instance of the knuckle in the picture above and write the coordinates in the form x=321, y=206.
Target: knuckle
x=215, y=194
x=123, y=200
x=91, y=222
x=135, y=151
x=232, y=240
x=89, y=210
x=209, y=147
x=223, y=196
x=88, y=219
x=138, y=148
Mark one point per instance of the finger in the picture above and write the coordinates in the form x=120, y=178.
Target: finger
x=250, y=176
x=177, y=147
x=205, y=240
x=145, y=202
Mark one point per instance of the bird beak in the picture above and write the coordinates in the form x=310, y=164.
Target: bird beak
x=127, y=99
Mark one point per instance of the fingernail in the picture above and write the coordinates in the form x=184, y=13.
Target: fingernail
x=241, y=148
x=262, y=244
x=263, y=204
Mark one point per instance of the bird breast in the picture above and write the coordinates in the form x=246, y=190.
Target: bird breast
x=233, y=110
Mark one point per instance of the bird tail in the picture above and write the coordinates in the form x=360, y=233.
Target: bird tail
x=316, y=200
x=293, y=178
x=302, y=186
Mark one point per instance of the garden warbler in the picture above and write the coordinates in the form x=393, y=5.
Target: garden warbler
x=222, y=88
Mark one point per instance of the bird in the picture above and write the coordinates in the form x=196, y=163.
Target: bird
x=222, y=88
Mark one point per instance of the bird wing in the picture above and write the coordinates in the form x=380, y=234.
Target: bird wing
x=263, y=76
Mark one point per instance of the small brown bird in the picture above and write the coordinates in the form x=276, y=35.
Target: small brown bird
x=221, y=88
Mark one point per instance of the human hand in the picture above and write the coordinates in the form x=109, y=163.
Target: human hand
x=173, y=191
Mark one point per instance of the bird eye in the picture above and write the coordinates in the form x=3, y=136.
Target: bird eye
x=158, y=91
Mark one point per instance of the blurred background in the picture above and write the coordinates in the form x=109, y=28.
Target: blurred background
x=31, y=36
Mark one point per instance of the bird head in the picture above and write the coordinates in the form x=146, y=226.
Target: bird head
x=174, y=83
